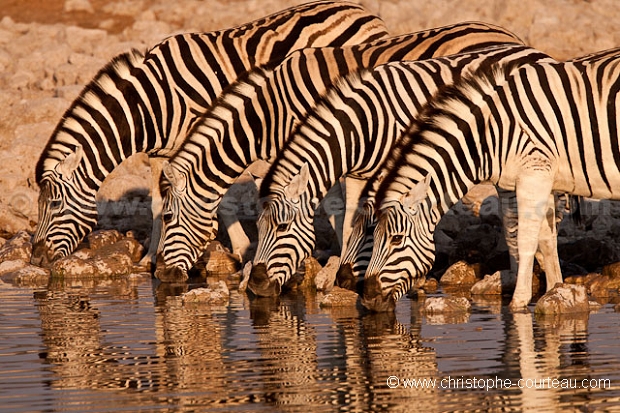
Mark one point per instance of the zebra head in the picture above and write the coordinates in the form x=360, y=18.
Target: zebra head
x=403, y=249
x=189, y=223
x=285, y=235
x=67, y=208
x=355, y=258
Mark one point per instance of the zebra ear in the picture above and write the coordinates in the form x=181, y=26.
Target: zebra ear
x=177, y=180
x=66, y=167
x=258, y=181
x=416, y=194
x=299, y=182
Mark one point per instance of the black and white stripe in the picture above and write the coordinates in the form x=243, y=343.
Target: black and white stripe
x=148, y=104
x=254, y=118
x=550, y=127
x=350, y=133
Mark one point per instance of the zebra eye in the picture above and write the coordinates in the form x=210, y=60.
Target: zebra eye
x=396, y=239
x=55, y=204
x=282, y=227
x=167, y=216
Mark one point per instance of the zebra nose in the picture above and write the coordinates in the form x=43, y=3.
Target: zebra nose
x=40, y=255
x=260, y=284
x=345, y=277
x=169, y=274
x=373, y=299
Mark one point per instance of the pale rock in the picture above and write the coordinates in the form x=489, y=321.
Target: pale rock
x=17, y=248
x=326, y=277
x=339, y=297
x=21, y=273
x=562, y=299
x=219, y=295
x=103, y=238
x=78, y=5
x=496, y=284
x=460, y=273
x=449, y=304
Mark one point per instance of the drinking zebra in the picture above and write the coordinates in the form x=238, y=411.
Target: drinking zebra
x=355, y=257
x=350, y=132
x=548, y=127
x=148, y=103
x=254, y=117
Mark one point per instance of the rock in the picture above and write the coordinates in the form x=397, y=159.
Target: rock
x=500, y=282
x=430, y=285
x=218, y=261
x=102, y=238
x=219, y=295
x=326, y=277
x=601, y=285
x=78, y=5
x=22, y=273
x=17, y=248
x=311, y=269
x=461, y=274
x=110, y=255
x=563, y=298
x=339, y=297
x=441, y=305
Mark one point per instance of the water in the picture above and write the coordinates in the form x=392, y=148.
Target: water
x=131, y=345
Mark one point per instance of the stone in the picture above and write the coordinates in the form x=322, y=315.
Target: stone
x=430, y=285
x=102, y=238
x=562, y=299
x=339, y=297
x=21, y=273
x=326, y=277
x=449, y=304
x=218, y=294
x=18, y=247
x=500, y=282
x=219, y=261
x=460, y=273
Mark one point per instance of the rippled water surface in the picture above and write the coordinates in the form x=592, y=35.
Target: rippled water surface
x=132, y=345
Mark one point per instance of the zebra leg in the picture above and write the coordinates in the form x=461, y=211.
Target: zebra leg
x=148, y=261
x=548, y=245
x=533, y=187
x=336, y=217
x=354, y=188
x=508, y=208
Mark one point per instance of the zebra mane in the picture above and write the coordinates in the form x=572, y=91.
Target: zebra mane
x=452, y=101
x=119, y=65
x=242, y=88
x=314, y=119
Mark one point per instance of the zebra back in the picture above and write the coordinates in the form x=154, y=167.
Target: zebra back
x=350, y=133
x=253, y=118
x=148, y=104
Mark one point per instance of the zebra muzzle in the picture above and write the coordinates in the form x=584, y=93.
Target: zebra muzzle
x=40, y=255
x=169, y=274
x=373, y=298
x=345, y=277
x=260, y=284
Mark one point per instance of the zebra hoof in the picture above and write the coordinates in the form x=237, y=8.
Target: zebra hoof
x=260, y=284
x=345, y=278
x=373, y=299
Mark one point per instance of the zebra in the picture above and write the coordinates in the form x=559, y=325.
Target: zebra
x=350, y=132
x=148, y=102
x=254, y=117
x=355, y=257
x=549, y=127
